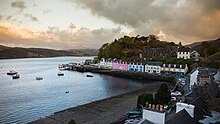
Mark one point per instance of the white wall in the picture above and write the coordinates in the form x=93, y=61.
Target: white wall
x=193, y=78
x=154, y=117
x=188, y=107
x=184, y=55
x=152, y=68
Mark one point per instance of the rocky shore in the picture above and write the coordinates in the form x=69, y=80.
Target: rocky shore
x=110, y=110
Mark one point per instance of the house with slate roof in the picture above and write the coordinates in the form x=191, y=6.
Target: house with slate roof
x=136, y=67
x=183, y=52
x=153, y=67
x=174, y=69
x=157, y=53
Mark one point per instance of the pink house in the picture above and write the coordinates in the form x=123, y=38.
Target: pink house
x=120, y=65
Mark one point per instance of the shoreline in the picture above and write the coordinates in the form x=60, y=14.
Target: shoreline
x=108, y=110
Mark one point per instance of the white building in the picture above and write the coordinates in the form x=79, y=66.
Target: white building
x=183, y=52
x=188, y=107
x=154, y=114
x=195, y=56
x=153, y=67
x=105, y=63
x=193, y=78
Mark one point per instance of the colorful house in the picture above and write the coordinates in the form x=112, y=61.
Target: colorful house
x=174, y=69
x=119, y=65
x=136, y=67
x=105, y=63
x=153, y=67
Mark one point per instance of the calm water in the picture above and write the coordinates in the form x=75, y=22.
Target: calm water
x=26, y=99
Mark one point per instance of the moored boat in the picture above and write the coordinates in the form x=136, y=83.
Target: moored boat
x=89, y=75
x=60, y=74
x=16, y=76
x=39, y=78
x=12, y=72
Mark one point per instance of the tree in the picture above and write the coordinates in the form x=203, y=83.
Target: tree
x=71, y=122
x=163, y=95
x=143, y=98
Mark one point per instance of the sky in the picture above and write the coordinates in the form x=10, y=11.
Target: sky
x=80, y=24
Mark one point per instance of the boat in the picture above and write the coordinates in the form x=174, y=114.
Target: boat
x=39, y=78
x=89, y=75
x=16, y=76
x=60, y=74
x=67, y=92
x=12, y=72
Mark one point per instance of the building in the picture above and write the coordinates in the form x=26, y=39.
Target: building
x=153, y=67
x=195, y=56
x=136, y=67
x=103, y=63
x=183, y=52
x=174, y=69
x=157, y=53
x=202, y=76
x=153, y=114
x=119, y=65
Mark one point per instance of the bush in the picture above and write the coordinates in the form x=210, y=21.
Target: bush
x=71, y=122
x=143, y=98
x=163, y=95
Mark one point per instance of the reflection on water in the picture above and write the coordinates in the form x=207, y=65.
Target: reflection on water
x=26, y=99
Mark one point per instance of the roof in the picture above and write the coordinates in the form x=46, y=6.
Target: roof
x=155, y=63
x=174, y=66
x=182, y=117
x=146, y=122
x=184, y=49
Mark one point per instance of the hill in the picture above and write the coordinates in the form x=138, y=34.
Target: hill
x=206, y=48
x=19, y=52
x=129, y=48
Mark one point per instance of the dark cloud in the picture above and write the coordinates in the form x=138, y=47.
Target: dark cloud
x=30, y=17
x=19, y=4
x=182, y=19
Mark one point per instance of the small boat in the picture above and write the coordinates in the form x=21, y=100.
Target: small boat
x=39, y=78
x=60, y=74
x=16, y=76
x=89, y=75
x=12, y=72
x=67, y=92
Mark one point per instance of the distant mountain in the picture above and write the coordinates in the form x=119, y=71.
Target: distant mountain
x=87, y=51
x=19, y=52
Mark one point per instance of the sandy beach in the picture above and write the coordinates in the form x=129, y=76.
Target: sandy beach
x=105, y=111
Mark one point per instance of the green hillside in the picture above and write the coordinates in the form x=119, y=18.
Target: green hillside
x=129, y=48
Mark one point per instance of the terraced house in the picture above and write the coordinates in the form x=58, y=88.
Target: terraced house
x=153, y=67
x=119, y=65
x=174, y=69
x=136, y=67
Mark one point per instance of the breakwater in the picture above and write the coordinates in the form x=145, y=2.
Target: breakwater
x=127, y=74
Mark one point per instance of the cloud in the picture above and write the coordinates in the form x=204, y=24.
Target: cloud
x=183, y=20
x=1, y=17
x=19, y=4
x=54, y=37
x=30, y=17
x=46, y=11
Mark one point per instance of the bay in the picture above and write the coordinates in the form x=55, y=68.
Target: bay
x=27, y=99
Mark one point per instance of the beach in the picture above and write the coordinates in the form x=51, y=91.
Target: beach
x=110, y=110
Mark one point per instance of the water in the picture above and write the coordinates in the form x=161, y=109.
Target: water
x=27, y=99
